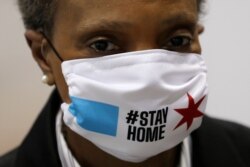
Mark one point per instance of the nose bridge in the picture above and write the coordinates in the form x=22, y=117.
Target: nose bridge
x=146, y=21
x=144, y=39
x=144, y=45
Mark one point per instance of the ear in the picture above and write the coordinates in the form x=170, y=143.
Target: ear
x=36, y=43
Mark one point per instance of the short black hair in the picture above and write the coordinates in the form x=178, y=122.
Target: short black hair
x=39, y=14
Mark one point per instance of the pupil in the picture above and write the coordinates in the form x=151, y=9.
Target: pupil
x=177, y=41
x=101, y=45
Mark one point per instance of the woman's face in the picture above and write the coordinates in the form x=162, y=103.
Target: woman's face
x=93, y=28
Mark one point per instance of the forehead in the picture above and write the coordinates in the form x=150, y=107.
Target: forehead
x=82, y=13
x=97, y=7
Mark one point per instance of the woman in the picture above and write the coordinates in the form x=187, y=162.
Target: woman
x=131, y=84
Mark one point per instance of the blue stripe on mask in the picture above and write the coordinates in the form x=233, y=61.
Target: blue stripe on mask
x=95, y=116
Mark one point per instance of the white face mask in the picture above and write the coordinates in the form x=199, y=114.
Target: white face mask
x=136, y=105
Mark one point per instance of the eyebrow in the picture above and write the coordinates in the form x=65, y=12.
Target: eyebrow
x=104, y=25
x=100, y=27
x=110, y=27
x=180, y=19
x=116, y=25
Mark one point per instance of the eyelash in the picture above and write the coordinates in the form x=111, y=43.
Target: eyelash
x=109, y=47
x=185, y=41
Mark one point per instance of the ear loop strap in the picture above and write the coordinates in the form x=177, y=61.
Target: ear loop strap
x=52, y=46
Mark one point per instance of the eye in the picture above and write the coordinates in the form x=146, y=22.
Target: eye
x=179, y=41
x=103, y=45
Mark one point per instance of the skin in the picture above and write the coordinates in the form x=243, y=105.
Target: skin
x=93, y=28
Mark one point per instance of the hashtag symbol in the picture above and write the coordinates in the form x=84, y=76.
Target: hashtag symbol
x=132, y=117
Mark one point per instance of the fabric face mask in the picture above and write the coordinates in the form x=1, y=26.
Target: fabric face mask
x=136, y=105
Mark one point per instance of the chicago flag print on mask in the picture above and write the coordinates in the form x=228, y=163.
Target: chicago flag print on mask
x=136, y=105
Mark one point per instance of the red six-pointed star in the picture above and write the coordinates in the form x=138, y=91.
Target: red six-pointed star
x=190, y=113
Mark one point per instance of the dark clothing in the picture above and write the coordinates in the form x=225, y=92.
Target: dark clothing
x=216, y=143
